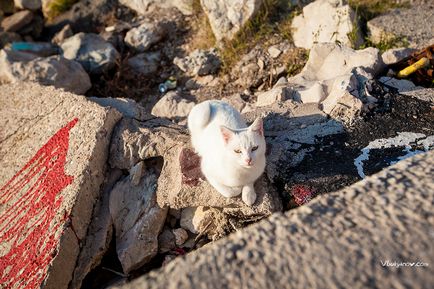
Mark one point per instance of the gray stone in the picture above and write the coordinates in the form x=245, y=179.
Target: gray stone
x=411, y=24
x=17, y=21
x=340, y=240
x=181, y=236
x=228, y=17
x=325, y=21
x=128, y=107
x=173, y=106
x=166, y=241
x=424, y=94
x=145, y=63
x=54, y=70
x=91, y=51
x=199, y=62
x=64, y=139
x=28, y=4
x=146, y=6
x=144, y=36
x=138, y=220
x=395, y=55
x=400, y=84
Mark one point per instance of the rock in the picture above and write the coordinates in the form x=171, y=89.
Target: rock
x=99, y=234
x=332, y=72
x=367, y=220
x=402, y=24
x=236, y=101
x=272, y=96
x=32, y=30
x=228, y=17
x=91, y=51
x=199, y=62
x=62, y=139
x=274, y=51
x=28, y=4
x=172, y=106
x=400, y=84
x=424, y=94
x=63, y=34
x=144, y=36
x=166, y=241
x=395, y=55
x=136, y=173
x=128, y=107
x=145, y=6
x=8, y=37
x=17, y=21
x=204, y=220
x=326, y=21
x=53, y=70
x=181, y=184
x=181, y=236
x=138, y=220
x=145, y=63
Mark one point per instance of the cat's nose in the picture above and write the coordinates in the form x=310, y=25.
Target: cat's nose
x=248, y=161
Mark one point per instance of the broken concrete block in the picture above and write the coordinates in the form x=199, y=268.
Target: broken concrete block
x=137, y=218
x=53, y=151
x=181, y=184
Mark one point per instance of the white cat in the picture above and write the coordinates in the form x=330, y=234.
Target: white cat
x=233, y=155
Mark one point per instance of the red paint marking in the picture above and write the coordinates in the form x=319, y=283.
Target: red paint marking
x=302, y=194
x=30, y=201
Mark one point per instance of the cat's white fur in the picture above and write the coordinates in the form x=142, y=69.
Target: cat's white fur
x=233, y=154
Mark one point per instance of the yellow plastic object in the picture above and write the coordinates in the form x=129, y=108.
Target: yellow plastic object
x=421, y=63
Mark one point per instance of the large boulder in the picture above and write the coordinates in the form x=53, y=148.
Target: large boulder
x=145, y=6
x=53, y=152
x=90, y=50
x=372, y=234
x=228, y=17
x=326, y=21
x=402, y=24
x=54, y=70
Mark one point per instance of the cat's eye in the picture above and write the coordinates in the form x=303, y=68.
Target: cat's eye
x=237, y=151
x=254, y=148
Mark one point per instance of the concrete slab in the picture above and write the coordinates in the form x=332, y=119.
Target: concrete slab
x=378, y=233
x=53, y=150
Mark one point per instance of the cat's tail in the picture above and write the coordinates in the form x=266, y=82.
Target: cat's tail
x=199, y=117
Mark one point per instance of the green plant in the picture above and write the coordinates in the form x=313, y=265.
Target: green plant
x=57, y=7
x=386, y=43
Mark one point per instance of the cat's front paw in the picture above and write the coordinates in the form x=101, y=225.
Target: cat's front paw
x=248, y=195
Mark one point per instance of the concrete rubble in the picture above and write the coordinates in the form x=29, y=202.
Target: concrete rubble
x=381, y=220
x=65, y=138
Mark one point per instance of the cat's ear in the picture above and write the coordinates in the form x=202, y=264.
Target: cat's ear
x=257, y=126
x=227, y=134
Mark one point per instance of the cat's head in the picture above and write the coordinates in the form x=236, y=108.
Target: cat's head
x=246, y=146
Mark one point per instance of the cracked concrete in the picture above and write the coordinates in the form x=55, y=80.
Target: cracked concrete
x=338, y=240
x=53, y=150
